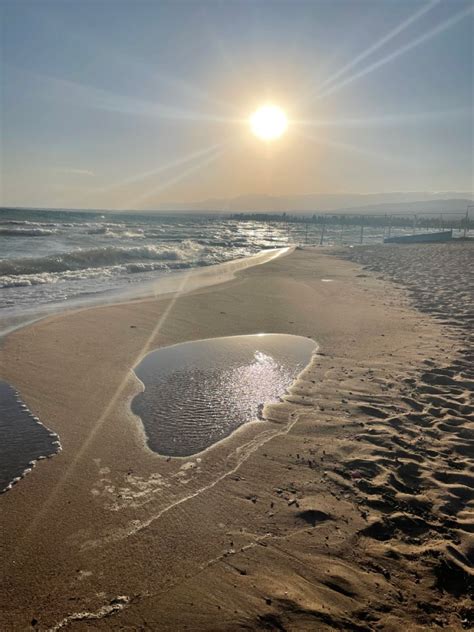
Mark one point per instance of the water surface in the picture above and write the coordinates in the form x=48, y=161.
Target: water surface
x=23, y=439
x=52, y=258
x=199, y=392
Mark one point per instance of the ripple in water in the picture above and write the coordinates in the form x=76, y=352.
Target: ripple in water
x=23, y=439
x=199, y=392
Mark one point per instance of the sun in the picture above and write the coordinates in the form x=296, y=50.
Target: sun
x=268, y=122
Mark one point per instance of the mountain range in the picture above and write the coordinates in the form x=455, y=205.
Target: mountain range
x=371, y=203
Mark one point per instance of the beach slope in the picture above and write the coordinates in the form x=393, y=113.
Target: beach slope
x=348, y=507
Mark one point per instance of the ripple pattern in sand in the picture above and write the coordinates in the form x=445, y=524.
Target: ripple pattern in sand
x=415, y=466
x=198, y=393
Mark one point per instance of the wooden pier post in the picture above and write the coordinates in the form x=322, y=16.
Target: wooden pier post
x=322, y=230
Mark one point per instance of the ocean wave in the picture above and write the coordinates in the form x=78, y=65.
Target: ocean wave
x=97, y=230
x=24, y=222
x=127, y=234
x=116, y=231
x=44, y=278
x=27, y=232
x=94, y=258
x=135, y=268
x=101, y=229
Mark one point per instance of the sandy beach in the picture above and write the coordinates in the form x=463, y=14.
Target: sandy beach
x=350, y=507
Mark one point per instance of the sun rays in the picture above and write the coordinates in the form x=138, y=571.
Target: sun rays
x=108, y=408
x=379, y=43
x=330, y=85
x=196, y=106
x=197, y=165
x=350, y=149
x=427, y=117
x=195, y=161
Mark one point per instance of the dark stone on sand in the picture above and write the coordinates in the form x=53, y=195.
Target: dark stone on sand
x=313, y=516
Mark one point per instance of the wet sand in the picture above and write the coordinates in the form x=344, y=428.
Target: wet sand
x=350, y=509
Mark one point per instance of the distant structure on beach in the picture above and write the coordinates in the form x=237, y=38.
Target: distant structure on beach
x=447, y=219
x=421, y=238
x=317, y=227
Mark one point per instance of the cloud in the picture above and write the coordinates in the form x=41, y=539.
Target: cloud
x=73, y=171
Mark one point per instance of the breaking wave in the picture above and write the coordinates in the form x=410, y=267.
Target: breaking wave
x=27, y=280
x=48, y=257
x=27, y=232
x=35, y=270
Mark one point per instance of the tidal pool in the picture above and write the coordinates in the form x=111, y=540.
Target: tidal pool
x=23, y=439
x=197, y=393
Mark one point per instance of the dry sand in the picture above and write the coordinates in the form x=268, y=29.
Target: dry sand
x=351, y=509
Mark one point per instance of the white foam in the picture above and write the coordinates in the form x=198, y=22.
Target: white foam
x=180, y=281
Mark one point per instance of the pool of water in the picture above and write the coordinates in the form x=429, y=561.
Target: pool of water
x=197, y=393
x=23, y=439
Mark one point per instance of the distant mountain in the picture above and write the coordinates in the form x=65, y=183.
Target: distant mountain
x=397, y=202
x=450, y=205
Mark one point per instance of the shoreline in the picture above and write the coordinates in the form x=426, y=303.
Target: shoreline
x=168, y=284
x=273, y=526
x=55, y=440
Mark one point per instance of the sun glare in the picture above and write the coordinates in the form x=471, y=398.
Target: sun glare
x=268, y=122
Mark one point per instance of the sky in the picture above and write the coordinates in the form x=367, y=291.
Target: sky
x=133, y=104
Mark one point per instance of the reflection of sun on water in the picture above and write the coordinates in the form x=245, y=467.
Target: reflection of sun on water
x=268, y=122
x=200, y=392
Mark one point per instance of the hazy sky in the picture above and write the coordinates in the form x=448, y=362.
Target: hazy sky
x=133, y=103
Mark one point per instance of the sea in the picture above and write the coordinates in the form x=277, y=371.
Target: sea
x=54, y=259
